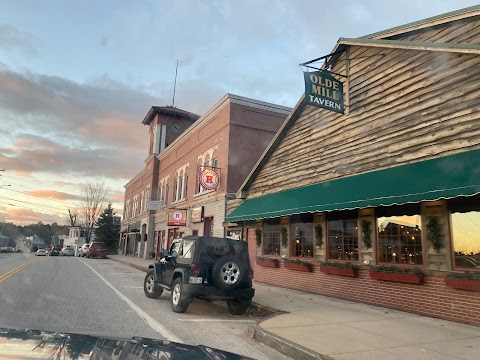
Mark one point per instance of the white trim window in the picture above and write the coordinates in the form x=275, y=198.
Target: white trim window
x=163, y=191
x=127, y=210
x=135, y=206
x=146, y=198
x=181, y=184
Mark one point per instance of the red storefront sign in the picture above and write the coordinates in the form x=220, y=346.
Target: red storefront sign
x=209, y=179
x=177, y=217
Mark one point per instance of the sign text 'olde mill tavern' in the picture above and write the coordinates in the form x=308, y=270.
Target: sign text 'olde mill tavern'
x=324, y=91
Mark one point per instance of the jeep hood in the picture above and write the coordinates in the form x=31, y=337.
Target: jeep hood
x=35, y=344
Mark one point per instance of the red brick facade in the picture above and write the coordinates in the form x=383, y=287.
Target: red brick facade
x=433, y=298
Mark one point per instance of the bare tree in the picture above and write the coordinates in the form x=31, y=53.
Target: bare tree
x=73, y=216
x=94, y=200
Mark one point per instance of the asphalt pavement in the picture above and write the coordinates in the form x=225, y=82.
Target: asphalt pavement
x=104, y=297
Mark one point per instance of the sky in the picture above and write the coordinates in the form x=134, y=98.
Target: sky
x=78, y=77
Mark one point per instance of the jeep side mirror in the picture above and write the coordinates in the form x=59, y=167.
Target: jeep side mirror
x=165, y=252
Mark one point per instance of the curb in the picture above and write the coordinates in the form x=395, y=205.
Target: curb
x=284, y=346
x=136, y=266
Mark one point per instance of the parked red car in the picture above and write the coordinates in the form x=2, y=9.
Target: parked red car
x=97, y=249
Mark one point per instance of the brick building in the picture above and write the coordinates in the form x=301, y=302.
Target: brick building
x=386, y=193
x=165, y=200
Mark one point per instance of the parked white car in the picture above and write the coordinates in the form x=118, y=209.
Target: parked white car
x=68, y=251
x=41, y=252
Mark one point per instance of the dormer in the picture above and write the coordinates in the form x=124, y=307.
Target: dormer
x=166, y=123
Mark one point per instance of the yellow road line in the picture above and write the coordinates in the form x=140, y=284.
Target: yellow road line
x=10, y=273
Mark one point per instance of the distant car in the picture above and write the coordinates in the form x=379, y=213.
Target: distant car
x=55, y=252
x=41, y=252
x=68, y=251
x=3, y=249
x=97, y=249
x=83, y=250
x=47, y=251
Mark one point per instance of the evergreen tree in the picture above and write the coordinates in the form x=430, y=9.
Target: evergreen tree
x=106, y=231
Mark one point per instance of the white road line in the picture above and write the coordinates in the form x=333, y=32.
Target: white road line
x=213, y=320
x=154, y=324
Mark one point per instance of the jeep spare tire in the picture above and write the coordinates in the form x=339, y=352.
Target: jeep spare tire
x=229, y=272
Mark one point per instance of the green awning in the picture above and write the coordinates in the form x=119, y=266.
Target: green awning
x=441, y=178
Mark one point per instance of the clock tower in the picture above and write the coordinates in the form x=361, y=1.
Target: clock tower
x=166, y=123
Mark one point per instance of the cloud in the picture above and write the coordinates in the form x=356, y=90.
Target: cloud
x=35, y=154
x=52, y=194
x=24, y=216
x=11, y=39
x=118, y=196
x=88, y=129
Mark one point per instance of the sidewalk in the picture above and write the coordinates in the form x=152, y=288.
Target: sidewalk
x=315, y=326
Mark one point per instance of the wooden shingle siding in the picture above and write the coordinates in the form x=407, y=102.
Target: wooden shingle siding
x=405, y=106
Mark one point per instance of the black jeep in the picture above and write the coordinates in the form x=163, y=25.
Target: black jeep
x=203, y=267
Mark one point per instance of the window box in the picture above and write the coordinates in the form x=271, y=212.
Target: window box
x=467, y=281
x=342, y=269
x=299, y=266
x=268, y=262
x=396, y=274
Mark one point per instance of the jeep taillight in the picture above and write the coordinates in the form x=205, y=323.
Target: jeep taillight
x=250, y=274
x=195, y=270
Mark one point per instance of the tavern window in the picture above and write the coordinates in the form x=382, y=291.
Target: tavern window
x=342, y=236
x=400, y=235
x=271, y=237
x=301, y=235
x=465, y=230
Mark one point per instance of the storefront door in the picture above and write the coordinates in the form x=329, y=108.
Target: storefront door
x=208, y=226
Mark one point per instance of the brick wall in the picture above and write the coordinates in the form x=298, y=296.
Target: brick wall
x=432, y=298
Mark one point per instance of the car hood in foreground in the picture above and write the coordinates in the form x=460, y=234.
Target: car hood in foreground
x=29, y=344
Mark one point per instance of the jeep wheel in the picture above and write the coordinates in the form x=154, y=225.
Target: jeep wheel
x=178, y=301
x=228, y=272
x=238, y=306
x=151, y=290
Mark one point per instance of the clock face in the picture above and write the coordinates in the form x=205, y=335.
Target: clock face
x=175, y=127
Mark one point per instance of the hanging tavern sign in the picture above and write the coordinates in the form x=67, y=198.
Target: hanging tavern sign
x=209, y=179
x=324, y=91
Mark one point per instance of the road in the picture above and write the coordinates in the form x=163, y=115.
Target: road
x=104, y=297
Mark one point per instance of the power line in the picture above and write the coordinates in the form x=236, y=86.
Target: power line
x=473, y=222
x=45, y=208
x=42, y=197
x=21, y=179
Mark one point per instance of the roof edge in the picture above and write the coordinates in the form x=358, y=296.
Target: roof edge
x=226, y=99
x=421, y=24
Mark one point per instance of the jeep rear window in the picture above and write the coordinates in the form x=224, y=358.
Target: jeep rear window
x=187, y=249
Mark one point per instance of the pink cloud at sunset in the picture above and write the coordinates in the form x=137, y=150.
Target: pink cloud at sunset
x=57, y=195
x=24, y=216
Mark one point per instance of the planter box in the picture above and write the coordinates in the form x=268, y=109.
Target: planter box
x=265, y=263
x=396, y=277
x=299, y=267
x=465, y=284
x=339, y=271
